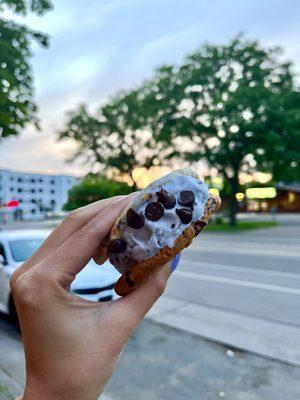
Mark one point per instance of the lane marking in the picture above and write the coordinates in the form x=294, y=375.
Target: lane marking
x=236, y=282
x=232, y=268
x=235, y=250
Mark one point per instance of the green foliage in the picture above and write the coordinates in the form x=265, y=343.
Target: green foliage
x=17, y=107
x=93, y=188
x=113, y=139
x=23, y=7
x=240, y=226
x=236, y=106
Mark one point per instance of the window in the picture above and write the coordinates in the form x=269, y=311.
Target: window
x=22, y=249
x=3, y=253
x=41, y=180
x=52, y=181
x=32, y=180
x=52, y=191
x=20, y=190
x=11, y=189
x=32, y=190
x=20, y=180
x=52, y=204
x=41, y=190
x=11, y=178
x=33, y=200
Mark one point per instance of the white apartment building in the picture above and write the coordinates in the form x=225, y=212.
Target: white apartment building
x=36, y=193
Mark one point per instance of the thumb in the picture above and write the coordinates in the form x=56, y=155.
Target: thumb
x=137, y=303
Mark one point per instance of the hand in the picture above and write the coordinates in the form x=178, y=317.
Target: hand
x=72, y=345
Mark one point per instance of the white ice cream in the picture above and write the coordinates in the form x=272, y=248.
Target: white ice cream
x=147, y=241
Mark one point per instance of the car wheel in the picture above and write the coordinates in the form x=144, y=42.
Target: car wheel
x=13, y=312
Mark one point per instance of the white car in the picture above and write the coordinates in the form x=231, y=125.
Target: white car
x=94, y=282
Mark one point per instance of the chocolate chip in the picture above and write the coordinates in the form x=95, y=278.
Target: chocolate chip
x=185, y=215
x=167, y=199
x=129, y=282
x=117, y=246
x=134, y=219
x=187, y=198
x=154, y=211
x=198, y=227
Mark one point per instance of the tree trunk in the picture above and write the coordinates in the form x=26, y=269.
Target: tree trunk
x=233, y=206
x=232, y=211
x=134, y=185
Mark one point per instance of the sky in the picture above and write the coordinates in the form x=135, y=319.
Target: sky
x=99, y=47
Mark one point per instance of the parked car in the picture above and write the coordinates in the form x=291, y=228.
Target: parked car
x=94, y=282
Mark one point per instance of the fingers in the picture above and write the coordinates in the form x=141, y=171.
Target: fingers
x=133, y=307
x=100, y=256
x=77, y=250
x=137, y=303
x=74, y=221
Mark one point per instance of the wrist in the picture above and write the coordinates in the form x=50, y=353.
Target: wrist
x=50, y=394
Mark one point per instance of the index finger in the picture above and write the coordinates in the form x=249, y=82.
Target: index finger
x=74, y=221
x=78, y=249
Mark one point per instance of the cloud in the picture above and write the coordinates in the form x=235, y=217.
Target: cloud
x=33, y=151
x=167, y=45
x=100, y=47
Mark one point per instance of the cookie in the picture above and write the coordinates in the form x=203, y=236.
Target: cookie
x=160, y=221
x=140, y=272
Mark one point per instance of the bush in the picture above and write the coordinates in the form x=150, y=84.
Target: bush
x=93, y=188
x=218, y=220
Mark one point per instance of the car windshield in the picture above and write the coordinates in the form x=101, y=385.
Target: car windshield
x=22, y=249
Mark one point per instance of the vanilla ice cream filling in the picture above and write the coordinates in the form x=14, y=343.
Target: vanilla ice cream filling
x=147, y=241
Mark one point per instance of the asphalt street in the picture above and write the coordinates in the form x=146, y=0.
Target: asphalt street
x=242, y=291
x=164, y=363
x=255, y=272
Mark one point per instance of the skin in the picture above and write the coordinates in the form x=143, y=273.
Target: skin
x=72, y=346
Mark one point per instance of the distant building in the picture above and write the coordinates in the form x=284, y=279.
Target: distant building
x=36, y=193
x=288, y=197
x=281, y=198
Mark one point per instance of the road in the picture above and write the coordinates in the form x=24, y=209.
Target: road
x=238, y=289
x=254, y=272
x=160, y=362
x=241, y=289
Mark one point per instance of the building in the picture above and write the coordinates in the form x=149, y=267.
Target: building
x=279, y=198
x=288, y=197
x=35, y=193
x=283, y=197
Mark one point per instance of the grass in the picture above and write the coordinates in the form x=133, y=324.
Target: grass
x=241, y=226
x=3, y=389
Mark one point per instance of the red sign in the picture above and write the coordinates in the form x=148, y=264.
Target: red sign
x=13, y=203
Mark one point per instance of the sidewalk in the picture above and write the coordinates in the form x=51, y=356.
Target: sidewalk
x=267, y=338
x=171, y=364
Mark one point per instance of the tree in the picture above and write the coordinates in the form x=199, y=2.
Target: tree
x=17, y=107
x=237, y=106
x=93, y=188
x=113, y=139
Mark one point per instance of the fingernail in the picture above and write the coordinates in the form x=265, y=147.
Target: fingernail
x=175, y=262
